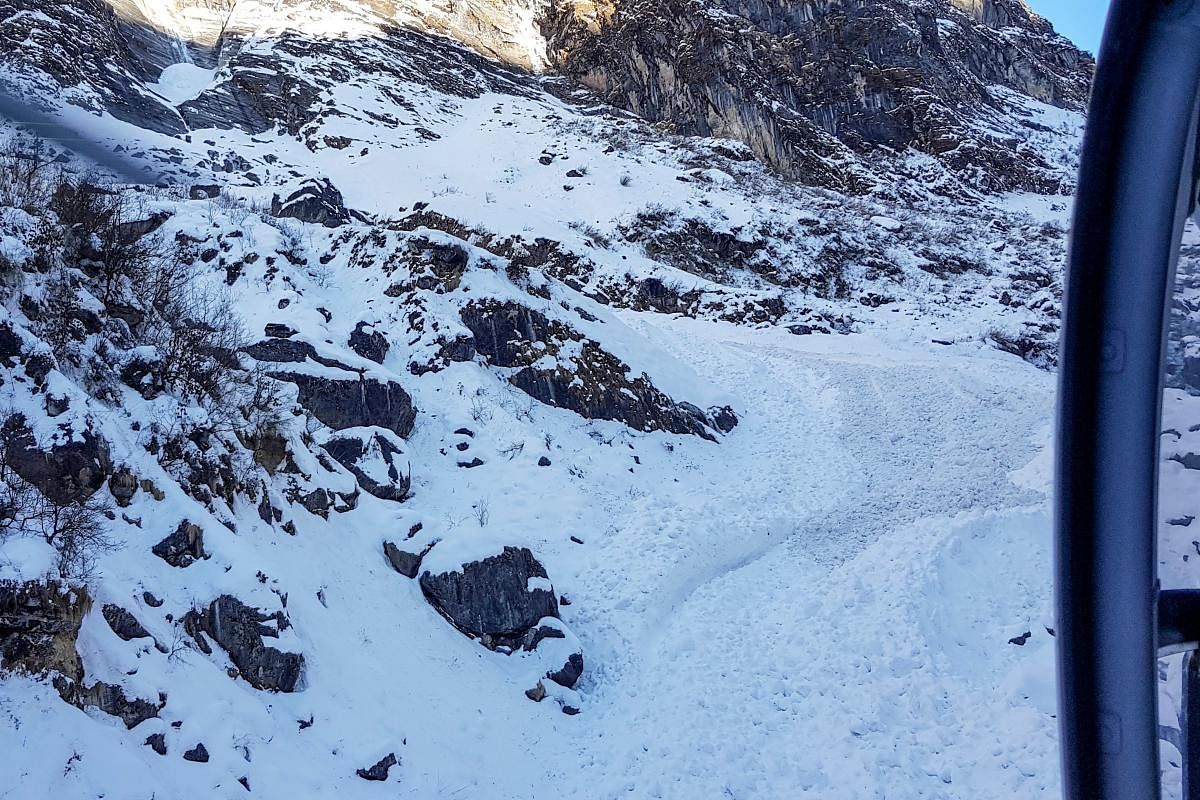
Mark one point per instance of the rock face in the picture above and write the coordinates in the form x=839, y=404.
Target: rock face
x=810, y=86
x=64, y=473
x=239, y=629
x=39, y=623
x=491, y=599
x=591, y=382
x=354, y=401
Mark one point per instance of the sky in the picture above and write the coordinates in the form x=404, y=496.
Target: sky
x=1081, y=21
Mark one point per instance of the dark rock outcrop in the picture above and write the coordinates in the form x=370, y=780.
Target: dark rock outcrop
x=110, y=699
x=68, y=472
x=593, y=383
x=316, y=201
x=183, y=546
x=123, y=485
x=368, y=343
x=239, y=629
x=406, y=563
x=491, y=600
x=354, y=401
x=123, y=623
x=378, y=772
x=39, y=623
x=199, y=754
x=374, y=463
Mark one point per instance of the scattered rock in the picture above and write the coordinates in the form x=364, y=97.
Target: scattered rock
x=183, y=547
x=537, y=693
x=379, y=772
x=157, y=742
x=543, y=462
x=1021, y=640
x=1183, y=522
x=465, y=432
x=474, y=462
x=150, y=600
x=199, y=754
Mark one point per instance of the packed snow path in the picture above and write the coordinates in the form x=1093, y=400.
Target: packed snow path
x=823, y=608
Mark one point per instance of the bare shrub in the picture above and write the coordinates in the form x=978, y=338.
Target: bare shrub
x=28, y=173
x=77, y=530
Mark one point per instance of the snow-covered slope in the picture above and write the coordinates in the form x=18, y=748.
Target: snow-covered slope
x=778, y=453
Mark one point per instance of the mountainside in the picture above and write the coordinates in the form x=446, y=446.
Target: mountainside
x=512, y=400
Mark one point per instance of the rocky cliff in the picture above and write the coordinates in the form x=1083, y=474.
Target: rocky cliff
x=821, y=89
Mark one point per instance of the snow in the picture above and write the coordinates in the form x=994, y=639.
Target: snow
x=181, y=82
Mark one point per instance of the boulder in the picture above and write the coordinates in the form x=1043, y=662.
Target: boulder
x=354, y=402
x=316, y=201
x=69, y=472
x=123, y=623
x=368, y=343
x=182, y=547
x=492, y=599
x=239, y=629
x=406, y=563
x=199, y=754
x=375, y=464
x=379, y=772
x=123, y=485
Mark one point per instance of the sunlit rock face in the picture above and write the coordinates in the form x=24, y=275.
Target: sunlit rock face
x=812, y=86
